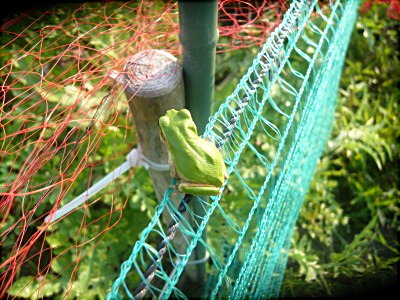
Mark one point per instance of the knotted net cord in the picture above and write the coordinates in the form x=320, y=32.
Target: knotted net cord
x=283, y=127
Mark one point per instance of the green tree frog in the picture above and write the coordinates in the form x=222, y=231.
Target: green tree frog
x=196, y=163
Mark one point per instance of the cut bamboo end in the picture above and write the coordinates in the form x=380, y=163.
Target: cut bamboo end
x=152, y=73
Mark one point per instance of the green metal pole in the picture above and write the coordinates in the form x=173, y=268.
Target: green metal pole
x=198, y=36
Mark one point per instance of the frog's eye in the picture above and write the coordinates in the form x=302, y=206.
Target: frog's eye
x=184, y=113
x=164, y=121
x=191, y=126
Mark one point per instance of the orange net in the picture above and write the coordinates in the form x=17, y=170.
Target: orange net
x=393, y=10
x=65, y=124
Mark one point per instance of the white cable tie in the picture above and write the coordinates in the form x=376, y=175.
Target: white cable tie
x=199, y=261
x=134, y=158
x=148, y=164
x=177, y=261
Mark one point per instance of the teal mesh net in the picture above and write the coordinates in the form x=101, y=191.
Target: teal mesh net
x=271, y=132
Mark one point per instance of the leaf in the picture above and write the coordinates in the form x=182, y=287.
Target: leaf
x=60, y=238
x=60, y=264
x=311, y=274
x=50, y=286
x=23, y=287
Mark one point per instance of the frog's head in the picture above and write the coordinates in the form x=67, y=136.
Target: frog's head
x=175, y=117
x=176, y=121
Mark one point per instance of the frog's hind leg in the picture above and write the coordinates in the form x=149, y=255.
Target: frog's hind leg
x=201, y=190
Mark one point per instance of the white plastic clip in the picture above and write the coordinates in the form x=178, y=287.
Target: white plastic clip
x=148, y=164
x=133, y=159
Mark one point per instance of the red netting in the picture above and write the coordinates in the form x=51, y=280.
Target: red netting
x=64, y=124
x=393, y=10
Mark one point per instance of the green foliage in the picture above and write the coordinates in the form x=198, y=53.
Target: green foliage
x=348, y=225
x=85, y=250
x=346, y=234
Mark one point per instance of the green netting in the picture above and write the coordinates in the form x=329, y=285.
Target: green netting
x=279, y=116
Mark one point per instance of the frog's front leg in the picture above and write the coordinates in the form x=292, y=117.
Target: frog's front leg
x=198, y=189
x=173, y=173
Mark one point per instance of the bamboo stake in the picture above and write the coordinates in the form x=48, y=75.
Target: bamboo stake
x=154, y=84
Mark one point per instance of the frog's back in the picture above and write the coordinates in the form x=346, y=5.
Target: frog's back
x=195, y=159
x=202, y=161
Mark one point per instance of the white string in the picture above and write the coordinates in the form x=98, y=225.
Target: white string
x=190, y=262
x=133, y=159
